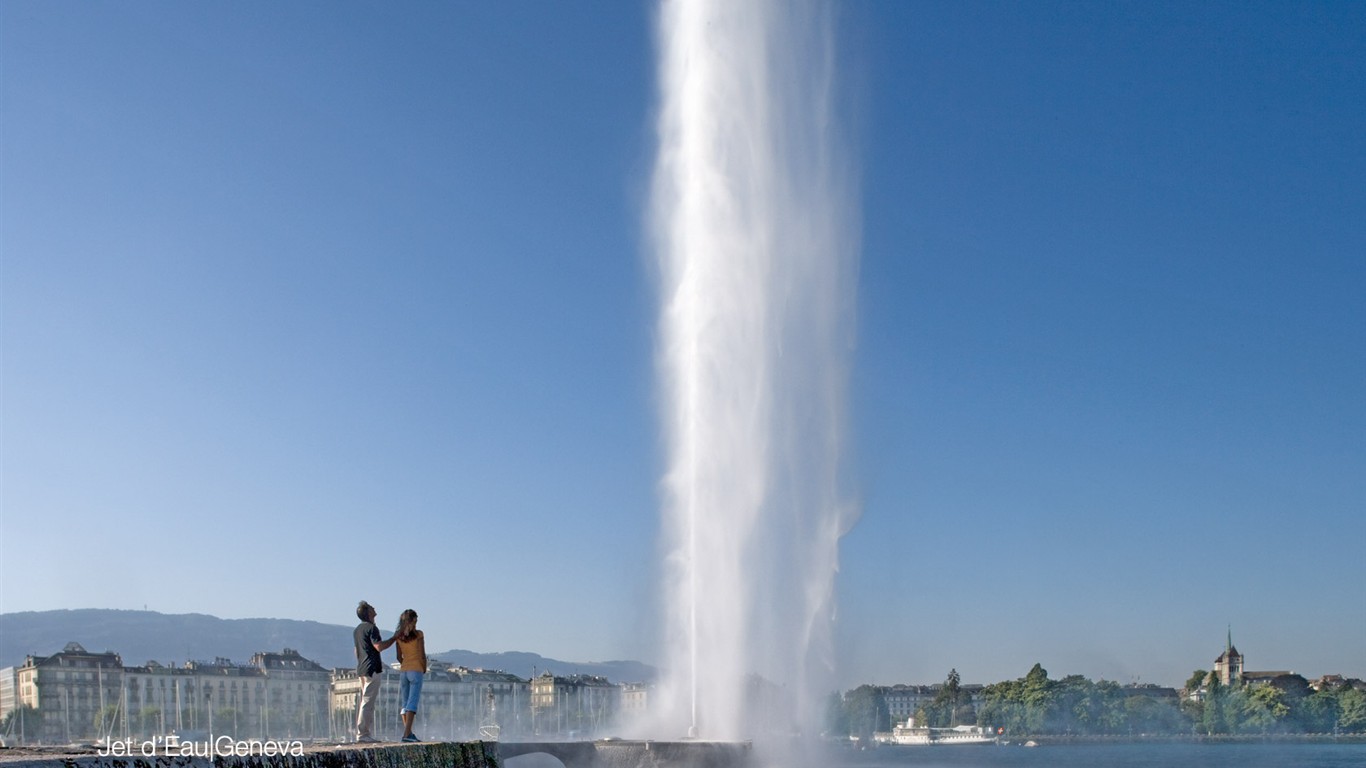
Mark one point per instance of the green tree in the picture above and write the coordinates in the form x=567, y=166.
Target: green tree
x=1119, y=711
x=996, y=707
x=22, y=724
x=225, y=721
x=1316, y=713
x=149, y=720
x=942, y=711
x=836, y=716
x=1264, y=708
x=1147, y=715
x=1075, y=706
x=1036, y=695
x=105, y=720
x=868, y=713
x=1351, y=710
x=1191, y=705
x=1235, y=710
x=1019, y=706
x=1212, y=714
x=1197, y=679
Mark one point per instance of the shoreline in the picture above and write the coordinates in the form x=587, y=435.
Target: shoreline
x=1276, y=738
x=1078, y=739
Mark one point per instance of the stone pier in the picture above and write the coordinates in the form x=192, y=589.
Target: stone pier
x=475, y=754
x=619, y=753
x=609, y=753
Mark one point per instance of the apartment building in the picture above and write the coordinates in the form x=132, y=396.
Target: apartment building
x=574, y=706
x=85, y=697
x=72, y=691
x=457, y=704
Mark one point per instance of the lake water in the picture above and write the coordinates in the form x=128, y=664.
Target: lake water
x=1158, y=755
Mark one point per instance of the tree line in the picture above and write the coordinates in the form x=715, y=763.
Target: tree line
x=1036, y=705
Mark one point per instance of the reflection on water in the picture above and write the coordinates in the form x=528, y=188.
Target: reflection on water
x=1162, y=755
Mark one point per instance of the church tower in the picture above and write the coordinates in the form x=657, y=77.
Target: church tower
x=1229, y=666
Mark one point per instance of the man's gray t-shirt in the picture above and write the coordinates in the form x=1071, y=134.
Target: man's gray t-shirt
x=367, y=658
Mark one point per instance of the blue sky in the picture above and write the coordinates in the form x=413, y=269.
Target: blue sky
x=312, y=302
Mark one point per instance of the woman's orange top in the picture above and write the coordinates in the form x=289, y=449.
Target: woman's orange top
x=412, y=654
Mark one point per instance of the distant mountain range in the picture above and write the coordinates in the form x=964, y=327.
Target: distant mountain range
x=142, y=636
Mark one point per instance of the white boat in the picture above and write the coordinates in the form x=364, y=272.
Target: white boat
x=909, y=734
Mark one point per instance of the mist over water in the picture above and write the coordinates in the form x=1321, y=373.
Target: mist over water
x=752, y=211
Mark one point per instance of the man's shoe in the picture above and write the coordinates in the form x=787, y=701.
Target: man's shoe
x=367, y=740
x=411, y=737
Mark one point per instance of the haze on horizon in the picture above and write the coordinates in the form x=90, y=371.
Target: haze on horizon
x=358, y=300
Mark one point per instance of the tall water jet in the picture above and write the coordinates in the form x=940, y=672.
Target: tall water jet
x=751, y=214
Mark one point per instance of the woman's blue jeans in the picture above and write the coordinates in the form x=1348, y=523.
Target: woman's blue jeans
x=409, y=689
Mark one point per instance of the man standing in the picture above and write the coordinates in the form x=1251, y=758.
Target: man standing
x=369, y=667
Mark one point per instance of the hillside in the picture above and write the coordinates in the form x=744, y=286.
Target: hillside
x=140, y=636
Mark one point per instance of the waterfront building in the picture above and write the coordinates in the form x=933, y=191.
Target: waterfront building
x=344, y=696
x=903, y=701
x=1334, y=682
x=573, y=707
x=501, y=700
x=1286, y=681
x=272, y=696
x=161, y=700
x=72, y=691
x=1152, y=691
x=635, y=698
x=457, y=704
x=87, y=697
x=218, y=698
x=9, y=692
x=292, y=702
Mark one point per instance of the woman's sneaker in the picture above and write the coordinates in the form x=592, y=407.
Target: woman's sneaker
x=411, y=737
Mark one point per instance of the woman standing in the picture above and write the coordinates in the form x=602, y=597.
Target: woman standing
x=412, y=665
